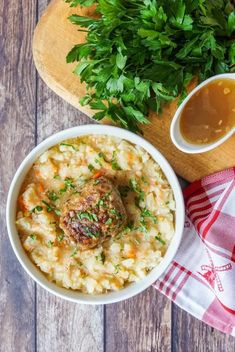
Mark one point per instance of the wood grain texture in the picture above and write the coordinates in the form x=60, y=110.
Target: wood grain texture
x=190, y=334
x=67, y=327
x=55, y=36
x=17, y=103
x=140, y=324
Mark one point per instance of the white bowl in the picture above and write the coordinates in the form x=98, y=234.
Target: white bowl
x=35, y=273
x=177, y=137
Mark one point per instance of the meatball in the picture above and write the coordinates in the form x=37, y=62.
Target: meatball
x=93, y=213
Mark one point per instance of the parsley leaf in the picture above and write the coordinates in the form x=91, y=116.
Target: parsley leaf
x=109, y=221
x=52, y=196
x=100, y=257
x=68, y=145
x=90, y=167
x=144, y=57
x=36, y=209
x=134, y=186
x=50, y=244
x=74, y=253
x=61, y=237
x=88, y=216
x=159, y=239
x=114, y=163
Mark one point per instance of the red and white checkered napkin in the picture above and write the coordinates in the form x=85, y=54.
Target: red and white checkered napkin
x=201, y=280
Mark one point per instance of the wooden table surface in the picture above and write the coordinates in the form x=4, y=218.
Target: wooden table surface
x=30, y=318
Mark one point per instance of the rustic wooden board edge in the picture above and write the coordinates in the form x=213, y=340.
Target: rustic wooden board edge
x=49, y=80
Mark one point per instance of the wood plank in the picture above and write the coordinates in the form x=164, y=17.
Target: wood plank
x=17, y=102
x=67, y=327
x=61, y=325
x=55, y=31
x=190, y=334
x=140, y=324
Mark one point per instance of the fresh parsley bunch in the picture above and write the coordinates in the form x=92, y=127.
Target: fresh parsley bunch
x=141, y=54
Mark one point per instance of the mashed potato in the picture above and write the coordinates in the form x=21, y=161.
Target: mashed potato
x=119, y=260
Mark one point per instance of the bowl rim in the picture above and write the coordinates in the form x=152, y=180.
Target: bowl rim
x=191, y=148
x=35, y=273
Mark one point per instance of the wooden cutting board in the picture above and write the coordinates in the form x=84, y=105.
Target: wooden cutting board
x=54, y=37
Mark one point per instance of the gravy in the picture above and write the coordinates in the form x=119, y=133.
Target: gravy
x=210, y=113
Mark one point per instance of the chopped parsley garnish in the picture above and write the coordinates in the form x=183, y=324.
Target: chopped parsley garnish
x=142, y=227
x=89, y=233
x=100, y=257
x=57, y=177
x=116, y=213
x=147, y=213
x=136, y=188
x=90, y=167
x=117, y=268
x=49, y=207
x=101, y=155
x=96, y=182
x=159, y=239
x=63, y=190
x=57, y=212
x=52, y=196
x=61, y=237
x=33, y=236
x=100, y=203
x=134, y=185
x=69, y=183
x=124, y=190
x=143, y=179
x=36, y=209
x=68, y=145
x=88, y=216
x=74, y=253
x=106, y=196
x=109, y=221
x=128, y=228
x=114, y=163
x=50, y=244
x=94, y=216
x=97, y=161
x=141, y=196
x=130, y=225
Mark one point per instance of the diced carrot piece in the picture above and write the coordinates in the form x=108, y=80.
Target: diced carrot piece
x=131, y=254
x=22, y=204
x=97, y=174
x=130, y=157
x=40, y=188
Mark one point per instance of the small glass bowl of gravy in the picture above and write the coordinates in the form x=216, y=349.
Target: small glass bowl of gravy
x=206, y=118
